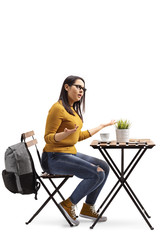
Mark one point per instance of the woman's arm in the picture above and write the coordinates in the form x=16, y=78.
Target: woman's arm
x=100, y=127
x=62, y=135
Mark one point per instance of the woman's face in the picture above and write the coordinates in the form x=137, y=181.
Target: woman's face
x=75, y=92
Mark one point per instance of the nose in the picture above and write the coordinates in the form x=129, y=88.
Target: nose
x=81, y=92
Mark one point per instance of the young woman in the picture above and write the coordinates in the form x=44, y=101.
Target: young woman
x=63, y=131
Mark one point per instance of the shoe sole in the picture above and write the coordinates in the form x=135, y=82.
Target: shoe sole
x=75, y=222
x=102, y=219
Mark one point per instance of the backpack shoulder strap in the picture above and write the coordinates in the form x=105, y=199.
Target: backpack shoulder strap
x=37, y=184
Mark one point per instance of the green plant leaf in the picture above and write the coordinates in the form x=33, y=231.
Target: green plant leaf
x=123, y=124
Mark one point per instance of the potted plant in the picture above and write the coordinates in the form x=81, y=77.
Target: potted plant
x=122, y=130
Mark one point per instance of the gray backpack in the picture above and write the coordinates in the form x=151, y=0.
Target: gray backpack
x=19, y=175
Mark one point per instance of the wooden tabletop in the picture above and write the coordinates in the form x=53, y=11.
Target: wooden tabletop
x=133, y=143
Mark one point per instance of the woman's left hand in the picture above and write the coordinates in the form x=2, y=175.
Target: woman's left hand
x=100, y=127
x=112, y=122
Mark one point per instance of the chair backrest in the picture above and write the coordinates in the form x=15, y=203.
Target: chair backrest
x=27, y=135
x=32, y=142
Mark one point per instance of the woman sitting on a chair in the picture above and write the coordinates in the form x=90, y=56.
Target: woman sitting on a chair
x=63, y=131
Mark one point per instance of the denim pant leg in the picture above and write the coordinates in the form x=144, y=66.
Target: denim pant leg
x=64, y=163
x=92, y=197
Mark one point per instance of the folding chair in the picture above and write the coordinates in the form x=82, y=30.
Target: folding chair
x=46, y=176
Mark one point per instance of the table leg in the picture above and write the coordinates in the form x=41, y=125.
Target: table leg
x=95, y=222
x=137, y=200
x=110, y=193
x=143, y=215
x=123, y=172
x=122, y=180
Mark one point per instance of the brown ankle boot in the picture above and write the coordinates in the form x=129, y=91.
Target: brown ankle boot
x=69, y=210
x=88, y=211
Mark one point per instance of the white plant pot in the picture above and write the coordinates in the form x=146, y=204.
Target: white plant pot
x=122, y=135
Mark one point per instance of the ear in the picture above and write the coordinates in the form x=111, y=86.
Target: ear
x=66, y=86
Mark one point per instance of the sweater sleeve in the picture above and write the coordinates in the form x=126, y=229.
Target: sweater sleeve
x=84, y=135
x=54, y=120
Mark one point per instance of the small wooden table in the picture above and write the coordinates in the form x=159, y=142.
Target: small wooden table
x=122, y=174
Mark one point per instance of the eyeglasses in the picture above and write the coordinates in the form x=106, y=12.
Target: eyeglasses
x=79, y=87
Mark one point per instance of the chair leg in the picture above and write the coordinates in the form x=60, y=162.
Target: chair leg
x=54, y=185
x=49, y=198
x=39, y=210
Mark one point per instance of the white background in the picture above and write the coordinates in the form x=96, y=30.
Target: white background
x=114, y=46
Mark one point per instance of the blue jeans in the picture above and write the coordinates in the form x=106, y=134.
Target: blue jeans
x=82, y=166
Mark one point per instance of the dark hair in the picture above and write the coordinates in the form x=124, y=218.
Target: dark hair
x=64, y=97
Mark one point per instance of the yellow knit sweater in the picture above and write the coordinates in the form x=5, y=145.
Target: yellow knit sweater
x=58, y=119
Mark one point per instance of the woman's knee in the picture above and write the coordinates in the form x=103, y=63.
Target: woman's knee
x=99, y=169
x=105, y=167
x=100, y=174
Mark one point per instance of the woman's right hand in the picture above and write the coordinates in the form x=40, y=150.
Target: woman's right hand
x=70, y=131
x=62, y=135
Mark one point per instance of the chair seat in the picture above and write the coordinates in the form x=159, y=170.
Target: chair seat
x=48, y=175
